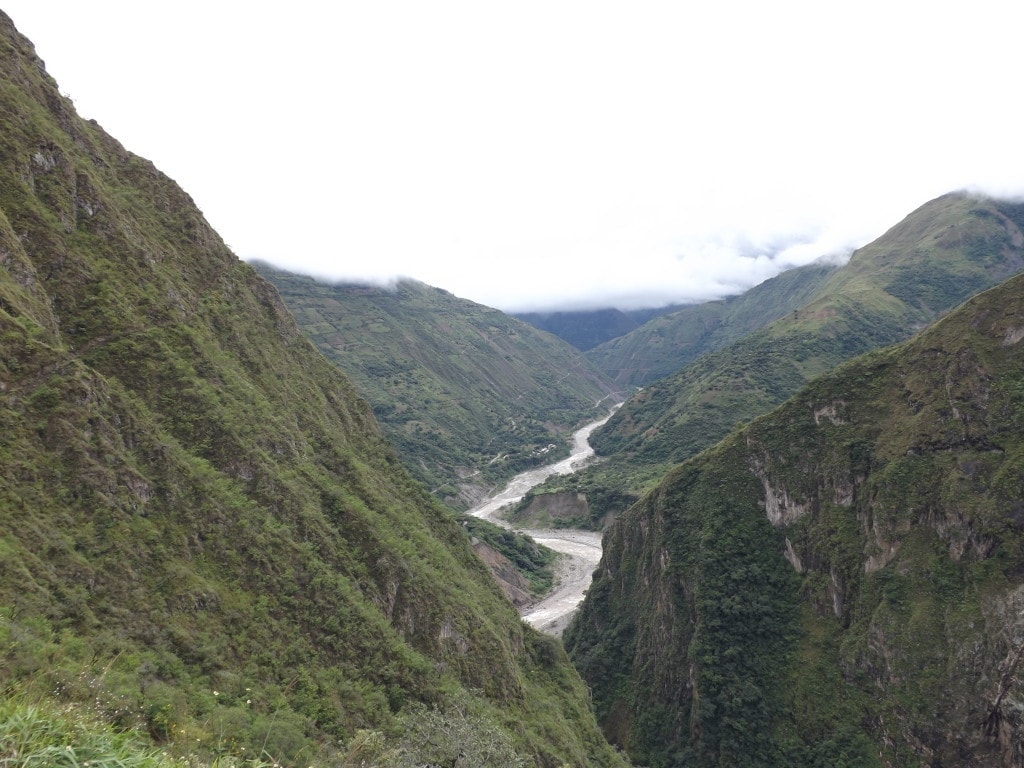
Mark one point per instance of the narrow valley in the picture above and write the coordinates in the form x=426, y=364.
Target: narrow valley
x=581, y=550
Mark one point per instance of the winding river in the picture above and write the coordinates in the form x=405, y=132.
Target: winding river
x=581, y=549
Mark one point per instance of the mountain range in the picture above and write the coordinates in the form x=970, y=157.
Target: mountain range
x=939, y=255
x=203, y=533
x=230, y=498
x=467, y=395
x=838, y=582
x=668, y=342
x=586, y=329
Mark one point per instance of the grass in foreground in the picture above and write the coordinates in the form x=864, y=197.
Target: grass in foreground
x=47, y=735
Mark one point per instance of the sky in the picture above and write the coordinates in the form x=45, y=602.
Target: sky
x=550, y=155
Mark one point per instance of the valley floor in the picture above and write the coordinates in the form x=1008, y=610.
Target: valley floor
x=581, y=552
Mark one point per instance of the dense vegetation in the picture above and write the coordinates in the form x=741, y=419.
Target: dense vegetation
x=528, y=557
x=211, y=555
x=838, y=582
x=203, y=533
x=890, y=289
x=468, y=396
x=40, y=734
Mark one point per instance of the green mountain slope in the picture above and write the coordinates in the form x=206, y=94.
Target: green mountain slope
x=584, y=330
x=891, y=288
x=668, y=342
x=839, y=582
x=202, y=531
x=467, y=395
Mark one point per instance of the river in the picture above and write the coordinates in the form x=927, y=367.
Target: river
x=581, y=550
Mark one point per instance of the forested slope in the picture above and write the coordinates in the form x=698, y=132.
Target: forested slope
x=841, y=581
x=890, y=289
x=668, y=342
x=468, y=395
x=202, y=531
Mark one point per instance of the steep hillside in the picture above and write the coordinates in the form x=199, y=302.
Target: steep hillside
x=467, y=395
x=202, y=531
x=668, y=342
x=841, y=582
x=931, y=261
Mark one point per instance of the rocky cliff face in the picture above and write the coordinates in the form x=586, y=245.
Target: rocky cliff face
x=840, y=582
x=512, y=582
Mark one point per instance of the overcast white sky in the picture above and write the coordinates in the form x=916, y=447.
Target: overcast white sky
x=550, y=154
